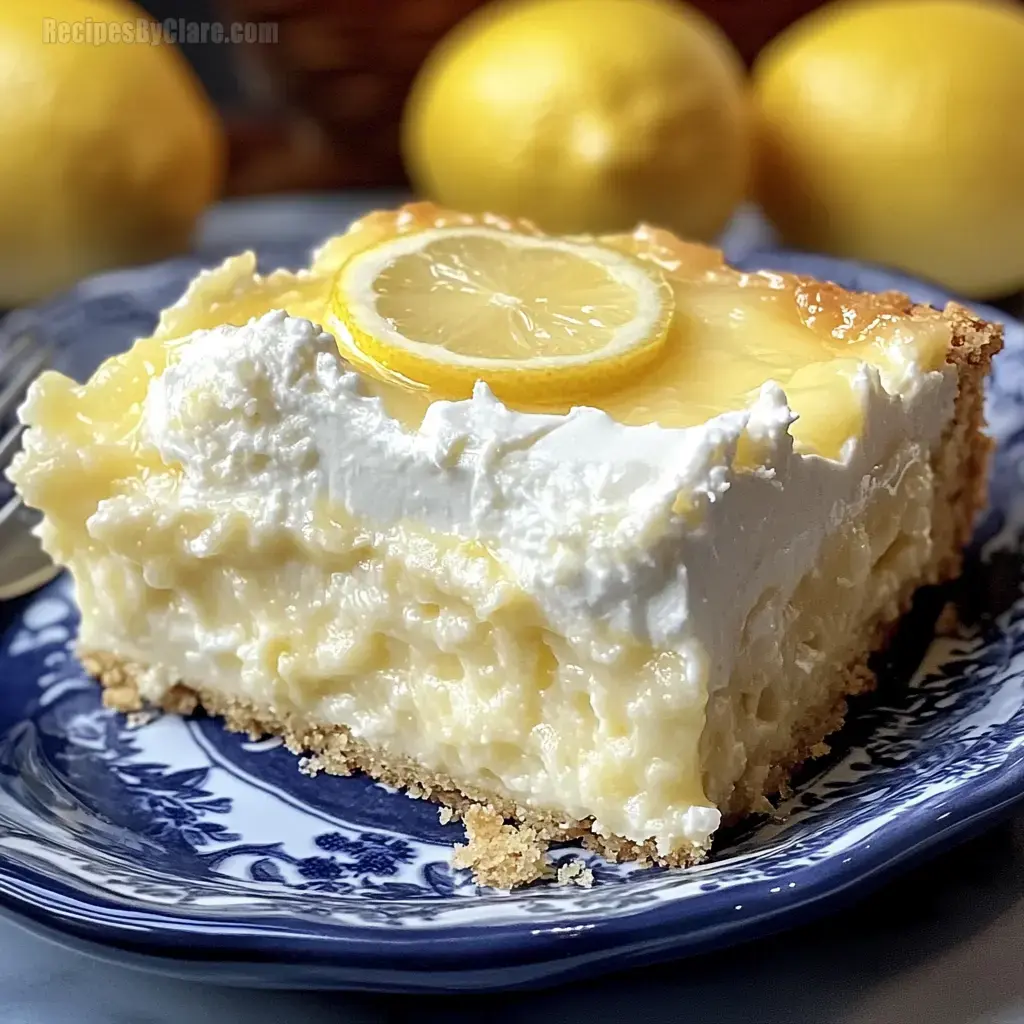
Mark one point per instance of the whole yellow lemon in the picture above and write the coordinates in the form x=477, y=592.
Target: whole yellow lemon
x=893, y=131
x=583, y=115
x=109, y=151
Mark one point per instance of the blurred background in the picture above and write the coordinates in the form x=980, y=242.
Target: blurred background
x=888, y=131
x=348, y=66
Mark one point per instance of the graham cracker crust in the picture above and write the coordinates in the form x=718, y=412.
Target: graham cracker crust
x=507, y=840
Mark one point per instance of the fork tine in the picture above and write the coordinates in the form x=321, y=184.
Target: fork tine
x=24, y=565
x=16, y=516
x=9, y=444
x=31, y=359
x=13, y=351
x=10, y=508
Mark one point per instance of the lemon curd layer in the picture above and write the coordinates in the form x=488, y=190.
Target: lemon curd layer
x=560, y=607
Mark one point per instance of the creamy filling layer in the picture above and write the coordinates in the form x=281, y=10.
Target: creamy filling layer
x=797, y=644
x=423, y=648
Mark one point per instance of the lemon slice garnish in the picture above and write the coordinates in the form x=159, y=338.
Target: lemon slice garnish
x=535, y=317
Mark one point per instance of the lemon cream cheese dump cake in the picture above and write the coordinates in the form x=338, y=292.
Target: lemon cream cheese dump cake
x=583, y=538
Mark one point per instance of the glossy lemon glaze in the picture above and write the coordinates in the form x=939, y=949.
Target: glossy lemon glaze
x=731, y=333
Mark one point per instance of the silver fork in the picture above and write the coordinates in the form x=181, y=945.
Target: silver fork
x=23, y=563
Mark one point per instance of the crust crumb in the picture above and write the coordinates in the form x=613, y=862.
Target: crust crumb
x=575, y=872
x=311, y=766
x=617, y=849
x=180, y=700
x=446, y=815
x=499, y=855
x=137, y=719
x=948, y=622
x=861, y=680
x=121, y=697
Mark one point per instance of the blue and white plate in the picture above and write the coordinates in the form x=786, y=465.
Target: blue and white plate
x=185, y=848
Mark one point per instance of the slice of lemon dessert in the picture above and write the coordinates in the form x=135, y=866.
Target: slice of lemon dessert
x=582, y=537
